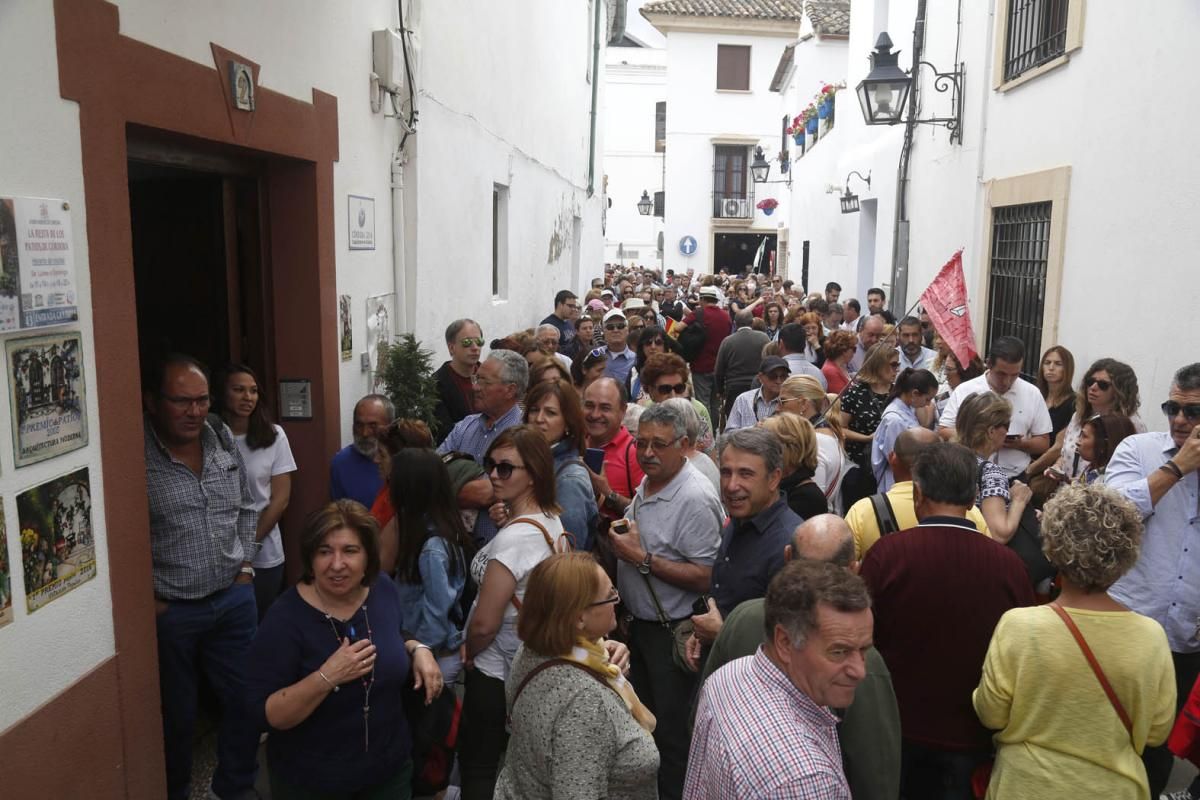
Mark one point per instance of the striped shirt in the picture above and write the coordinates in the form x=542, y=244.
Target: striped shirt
x=758, y=736
x=202, y=527
x=748, y=409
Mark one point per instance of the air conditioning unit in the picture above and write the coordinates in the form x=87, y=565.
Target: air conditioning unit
x=735, y=208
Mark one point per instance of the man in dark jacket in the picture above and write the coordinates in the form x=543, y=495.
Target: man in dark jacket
x=455, y=378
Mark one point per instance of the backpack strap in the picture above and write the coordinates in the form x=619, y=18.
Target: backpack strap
x=545, y=665
x=885, y=516
x=628, y=472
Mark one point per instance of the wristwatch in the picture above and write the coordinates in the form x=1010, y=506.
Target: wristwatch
x=644, y=566
x=612, y=499
x=247, y=571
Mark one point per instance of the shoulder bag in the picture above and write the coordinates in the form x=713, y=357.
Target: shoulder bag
x=545, y=665
x=1095, y=665
x=680, y=631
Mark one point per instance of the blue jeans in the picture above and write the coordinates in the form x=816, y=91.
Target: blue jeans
x=212, y=634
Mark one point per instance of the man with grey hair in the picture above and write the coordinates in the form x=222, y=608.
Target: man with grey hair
x=455, y=378
x=870, y=332
x=665, y=549
x=354, y=472
x=1157, y=472
x=696, y=458
x=760, y=525
x=738, y=359
x=499, y=387
x=869, y=731
x=548, y=338
x=763, y=724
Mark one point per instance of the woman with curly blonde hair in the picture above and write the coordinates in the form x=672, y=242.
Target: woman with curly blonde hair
x=1058, y=734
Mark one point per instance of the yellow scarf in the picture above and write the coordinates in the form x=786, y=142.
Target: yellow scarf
x=594, y=657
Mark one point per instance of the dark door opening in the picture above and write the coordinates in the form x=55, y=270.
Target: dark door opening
x=736, y=252
x=199, y=280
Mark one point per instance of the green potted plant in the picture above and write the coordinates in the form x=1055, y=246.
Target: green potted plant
x=406, y=373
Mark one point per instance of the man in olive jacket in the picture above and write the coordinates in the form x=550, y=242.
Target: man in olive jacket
x=869, y=731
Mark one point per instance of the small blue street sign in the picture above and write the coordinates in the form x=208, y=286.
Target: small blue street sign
x=687, y=245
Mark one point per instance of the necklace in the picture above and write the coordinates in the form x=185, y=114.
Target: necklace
x=353, y=636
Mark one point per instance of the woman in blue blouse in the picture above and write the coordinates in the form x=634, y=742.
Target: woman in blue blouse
x=327, y=669
x=433, y=552
x=914, y=389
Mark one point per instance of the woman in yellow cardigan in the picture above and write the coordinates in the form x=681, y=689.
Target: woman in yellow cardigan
x=1058, y=733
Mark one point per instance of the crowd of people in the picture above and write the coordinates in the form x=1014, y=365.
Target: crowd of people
x=692, y=537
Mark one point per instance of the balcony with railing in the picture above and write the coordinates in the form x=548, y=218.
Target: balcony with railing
x=733, y=191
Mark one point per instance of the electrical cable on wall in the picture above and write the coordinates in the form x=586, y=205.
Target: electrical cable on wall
x=410, y=126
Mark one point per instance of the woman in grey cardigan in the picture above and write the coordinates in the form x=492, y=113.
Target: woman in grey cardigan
x=578, y=730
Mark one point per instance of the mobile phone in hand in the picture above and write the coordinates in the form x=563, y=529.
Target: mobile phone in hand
x=701, y=605
x=1013, y=437
x=594, y=458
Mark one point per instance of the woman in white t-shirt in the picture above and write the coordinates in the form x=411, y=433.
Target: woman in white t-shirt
x=521, y=468
x=269, y=467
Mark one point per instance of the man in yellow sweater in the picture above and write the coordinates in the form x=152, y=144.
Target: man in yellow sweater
x=898, y=501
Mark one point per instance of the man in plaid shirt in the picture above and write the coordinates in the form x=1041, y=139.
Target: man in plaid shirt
x=763, y=727
x=202, y=543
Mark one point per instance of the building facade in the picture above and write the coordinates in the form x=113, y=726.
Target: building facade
x=238, y=185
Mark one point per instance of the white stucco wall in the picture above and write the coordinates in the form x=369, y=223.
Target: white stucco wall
x=696, y=113
x=503, y=98
x=44, y=652
x=635, y=80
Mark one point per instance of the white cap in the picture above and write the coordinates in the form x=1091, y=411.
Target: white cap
x=616, y=312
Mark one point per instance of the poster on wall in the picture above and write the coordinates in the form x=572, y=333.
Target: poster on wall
x=380, y=313
x=58, y=552
x=37, y=263
x=47, y=397
x=346, y=337
x=6, y=612
x=361, y=212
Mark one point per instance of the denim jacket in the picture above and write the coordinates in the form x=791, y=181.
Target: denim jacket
x=573, y=488
x=426, y=607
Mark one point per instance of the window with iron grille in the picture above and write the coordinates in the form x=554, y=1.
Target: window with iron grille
x=732, y=198
x=660, y=204
x=1037, y=33
x=1017, y=277
x=660, y=127
x=733, y=67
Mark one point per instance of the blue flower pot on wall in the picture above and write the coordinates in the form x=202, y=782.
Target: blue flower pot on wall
x=768, y=211
x=824, y=109
x=811, y=125
x=798, y=138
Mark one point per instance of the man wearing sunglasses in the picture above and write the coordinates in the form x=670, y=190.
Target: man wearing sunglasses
x=758, y=404
x=456, y=377
x=616, y=341
x=1157, y=472
x=566, y=311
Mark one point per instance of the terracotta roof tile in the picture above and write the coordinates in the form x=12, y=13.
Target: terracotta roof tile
x=746, y=9
x=829, y=17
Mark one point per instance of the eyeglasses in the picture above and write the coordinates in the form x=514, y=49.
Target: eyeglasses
x=612, y=599
x=187, y=403
x=646, y=444
x=671, y=388
x=503, y=469
x=471, y=342
x=614, y=326
x=1103, y=385
x=573, y=306
x=1191, y=411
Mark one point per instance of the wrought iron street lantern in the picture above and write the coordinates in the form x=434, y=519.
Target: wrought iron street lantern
x=645, y=205
x=850, y=201
x=760, y=168
x=883, y=94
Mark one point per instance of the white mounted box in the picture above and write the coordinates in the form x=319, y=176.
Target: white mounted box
x=387, y=58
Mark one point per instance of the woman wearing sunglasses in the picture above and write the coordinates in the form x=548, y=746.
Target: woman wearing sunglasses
x=588, y=366
x=1108, y=387
x=666, y=375
x=578, y=727
x=521, y=468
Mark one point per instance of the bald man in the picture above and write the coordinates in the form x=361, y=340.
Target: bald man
x=881, y=514
x=869, y=732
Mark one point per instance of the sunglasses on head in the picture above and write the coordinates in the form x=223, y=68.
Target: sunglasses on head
x=503, y=469
x=476, y=341
x=1191, y=411
x=671, y=388
x=1104, y=386
x=614, y=326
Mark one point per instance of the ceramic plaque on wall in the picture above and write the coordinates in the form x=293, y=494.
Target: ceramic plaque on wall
x=47, y=396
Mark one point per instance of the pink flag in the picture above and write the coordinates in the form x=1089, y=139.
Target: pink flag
x=946, y=303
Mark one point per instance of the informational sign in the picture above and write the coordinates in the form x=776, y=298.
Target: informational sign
x=58, y=552
x=362, y=222
x=48, y=396
x=380, y=311
x=6, y=612
x=687, y=245
x=295, y=399
x=37, y=263
x=345, y=328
